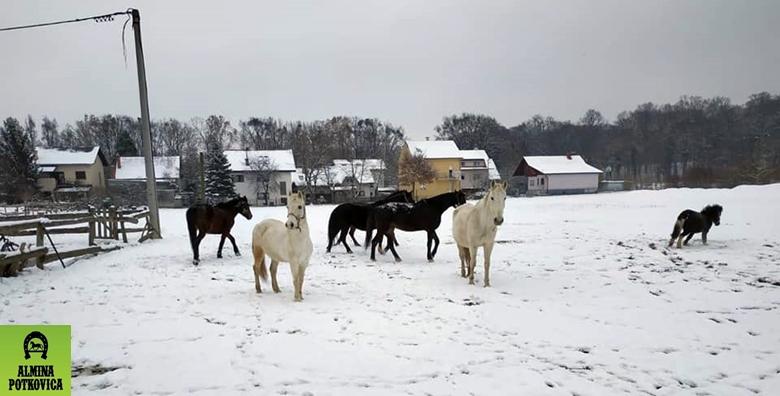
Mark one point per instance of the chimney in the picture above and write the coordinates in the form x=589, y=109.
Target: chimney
x=118, y=162
x=246, y=156
x=569, y=154
x=427, y=138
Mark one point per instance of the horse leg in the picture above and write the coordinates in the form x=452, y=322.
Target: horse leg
x=352, y=234
x=704, y=237
x=472, y=263
x=463, y=254
x=301, y=272
x=430, y=242
x=390, y=234
x=295, y=270
x=688, y=239
x=274, y=285
x=487, y=249
x=221, y=243
x=377, y=241
x=257, y=267
x=436, y=246
x=196, y=248
x=233, y=241
x=343, y=239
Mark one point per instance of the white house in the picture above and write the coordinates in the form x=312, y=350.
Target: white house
x=558, y=174
x=346, y=180
x=265, y=177
x=72, y=173
x=166, y=169
x=477, y=169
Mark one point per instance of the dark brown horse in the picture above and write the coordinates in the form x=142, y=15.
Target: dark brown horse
x=348, y=217
x=425, y=215
x=205, y=219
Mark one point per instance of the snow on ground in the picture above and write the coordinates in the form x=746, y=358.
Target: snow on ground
x=586, y=300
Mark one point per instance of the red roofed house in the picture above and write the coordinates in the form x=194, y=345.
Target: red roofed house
x=558, y=174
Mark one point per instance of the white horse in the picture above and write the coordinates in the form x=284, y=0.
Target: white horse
x=476, y=225
x=284, y=242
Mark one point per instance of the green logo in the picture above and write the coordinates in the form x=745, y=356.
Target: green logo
x=34, y=360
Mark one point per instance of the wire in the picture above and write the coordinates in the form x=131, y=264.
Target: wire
x=97, y=18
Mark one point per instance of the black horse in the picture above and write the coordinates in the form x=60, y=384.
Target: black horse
x=347, y=217
x=205, y=219
x=690, y=222
x=425, y=215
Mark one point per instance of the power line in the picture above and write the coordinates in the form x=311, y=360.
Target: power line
x=97, y=18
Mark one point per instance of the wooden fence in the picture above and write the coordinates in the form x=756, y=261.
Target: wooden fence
x=96, y=224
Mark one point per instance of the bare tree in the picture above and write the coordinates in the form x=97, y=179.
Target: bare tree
x=264, y=169
x=414, y=169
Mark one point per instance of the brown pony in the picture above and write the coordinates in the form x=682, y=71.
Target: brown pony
x=205, y=219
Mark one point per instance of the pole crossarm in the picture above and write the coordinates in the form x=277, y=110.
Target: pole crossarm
x=96, y=18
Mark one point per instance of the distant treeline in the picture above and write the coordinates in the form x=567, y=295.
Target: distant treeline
x=694, y=142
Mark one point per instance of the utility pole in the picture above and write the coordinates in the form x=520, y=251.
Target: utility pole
x=146, y=132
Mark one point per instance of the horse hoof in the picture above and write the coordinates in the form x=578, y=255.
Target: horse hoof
x=195, y=262
x=277, y=291
x=219, y=257
x=238, y=254
x=398, y=260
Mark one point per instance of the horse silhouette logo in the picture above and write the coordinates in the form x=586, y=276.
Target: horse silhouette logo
x=35, y=342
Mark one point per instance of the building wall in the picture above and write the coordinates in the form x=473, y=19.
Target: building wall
x=588, y=182
x=47, y=184
x=442, y=183
x=253, y=190
x=537, y=184
x=474, y=179
x=95, y=177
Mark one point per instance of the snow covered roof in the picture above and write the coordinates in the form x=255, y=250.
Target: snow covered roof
x=241, y=160
x=434, y=149
x=475, y=155
x=559, y=164
x=50, y=156
x=134, y=168
x=493, y=170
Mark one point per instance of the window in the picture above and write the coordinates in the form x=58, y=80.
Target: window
x=532, y=182
x=462, y=177
x=361, y=193
x=81, y=175
x=283, y=189
x=541, y=181
x=238, y=178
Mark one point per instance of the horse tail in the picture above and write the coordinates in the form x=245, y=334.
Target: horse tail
x=369, y=228
x=192, y=228
x=678, y=226
x=333, y=228
x=259, y=254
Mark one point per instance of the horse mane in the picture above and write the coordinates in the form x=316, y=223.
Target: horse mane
x=228, y=204
x=712, y=209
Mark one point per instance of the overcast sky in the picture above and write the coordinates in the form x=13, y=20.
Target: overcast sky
x=410, y=63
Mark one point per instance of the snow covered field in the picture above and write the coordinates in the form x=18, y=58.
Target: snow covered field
x=585, y=300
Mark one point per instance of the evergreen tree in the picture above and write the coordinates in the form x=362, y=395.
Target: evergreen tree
x=19, y=172
x=219, y=184
x=125, y=147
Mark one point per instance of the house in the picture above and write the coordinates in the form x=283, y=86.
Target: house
x=71, y=174
x=445, y=157
x=558, y=174
x=129, y=183
x=265, y=177
x=344, y=181
x=477, y=170
x=166, y=169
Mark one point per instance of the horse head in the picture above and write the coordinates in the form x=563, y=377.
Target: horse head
x=242, y=205
x=713, y=212
x=296, y=210
x=495, y=200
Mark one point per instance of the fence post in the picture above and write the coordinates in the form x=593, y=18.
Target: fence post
x=92, y=227
x=113, y=222
x=39, y=243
